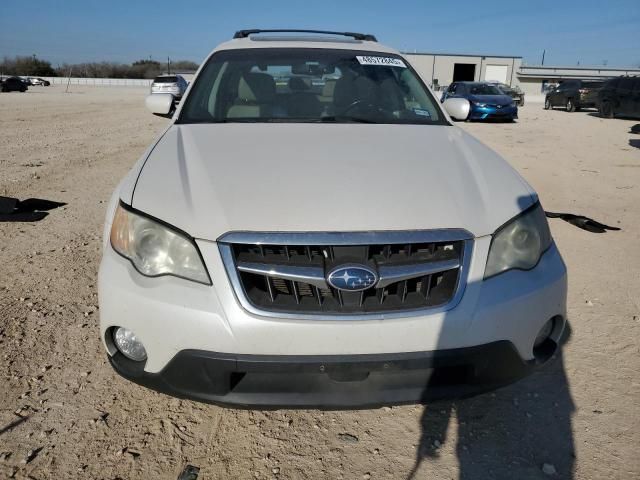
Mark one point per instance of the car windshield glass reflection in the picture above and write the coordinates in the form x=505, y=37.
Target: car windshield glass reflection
x=309, y=85
x=485, y=90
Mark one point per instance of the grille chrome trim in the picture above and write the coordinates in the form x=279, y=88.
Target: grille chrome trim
x=311, y=275
x=346, y=238
x=227, y=241
x=397, y=273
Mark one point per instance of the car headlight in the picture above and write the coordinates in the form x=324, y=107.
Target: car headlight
x=519, y=243
x=155, y=249
x=480, y=104
x=512, y=104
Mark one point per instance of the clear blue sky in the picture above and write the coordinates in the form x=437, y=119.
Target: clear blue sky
x=585, y=31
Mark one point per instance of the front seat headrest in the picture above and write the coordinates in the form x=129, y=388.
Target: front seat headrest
x=297, y=84
x=256, y=87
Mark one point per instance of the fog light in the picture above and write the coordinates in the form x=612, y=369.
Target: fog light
x=544, y=333
x=129, y=345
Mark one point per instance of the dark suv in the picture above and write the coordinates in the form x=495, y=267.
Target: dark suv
x=13, y=84
x=620, y=96
x=573, y=95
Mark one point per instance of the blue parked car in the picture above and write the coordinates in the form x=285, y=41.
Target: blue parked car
x=487, y=101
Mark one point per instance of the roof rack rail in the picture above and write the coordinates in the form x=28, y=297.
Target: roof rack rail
x=357, y=36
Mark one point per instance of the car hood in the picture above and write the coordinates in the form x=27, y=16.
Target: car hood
x=492, y=99
x=209, y=179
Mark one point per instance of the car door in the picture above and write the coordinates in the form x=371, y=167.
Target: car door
x=625, y=95
x=608, y=92
x=635, y=108
x=555, y=94
x=566, y=88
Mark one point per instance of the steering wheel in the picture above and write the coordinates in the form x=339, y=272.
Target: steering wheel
x=368, y=105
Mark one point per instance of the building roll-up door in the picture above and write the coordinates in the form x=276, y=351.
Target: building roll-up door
x=496, y=73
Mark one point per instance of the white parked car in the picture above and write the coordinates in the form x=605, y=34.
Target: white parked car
x=285, y=246
x=175, y=85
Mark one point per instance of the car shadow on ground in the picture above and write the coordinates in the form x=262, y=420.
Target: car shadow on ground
x=635, y=130
x=522, y=431
x=29, y=210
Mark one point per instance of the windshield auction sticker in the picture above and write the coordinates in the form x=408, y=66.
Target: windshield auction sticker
x=381, y=61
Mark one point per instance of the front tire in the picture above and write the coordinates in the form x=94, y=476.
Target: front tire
x=547, y=104
x=571, y=106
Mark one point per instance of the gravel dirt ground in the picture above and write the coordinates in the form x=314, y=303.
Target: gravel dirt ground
x=65, y=414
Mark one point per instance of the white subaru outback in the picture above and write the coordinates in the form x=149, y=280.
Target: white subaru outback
x=312, y=231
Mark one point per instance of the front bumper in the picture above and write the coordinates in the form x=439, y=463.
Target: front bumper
x=587, y=102
x=172, y=316
x=339, y=381
x=175, y=92
x=487, y=113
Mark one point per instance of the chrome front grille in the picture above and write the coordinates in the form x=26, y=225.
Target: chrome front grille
x=285, y=274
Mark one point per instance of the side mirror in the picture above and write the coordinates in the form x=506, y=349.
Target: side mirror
x=457, y=108
x=160, y=104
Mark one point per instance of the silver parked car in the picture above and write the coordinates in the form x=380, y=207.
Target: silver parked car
x=39, y=81
x=176, y=85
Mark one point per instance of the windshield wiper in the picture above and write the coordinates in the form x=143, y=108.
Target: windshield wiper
x=346, y=118
x=254, y=120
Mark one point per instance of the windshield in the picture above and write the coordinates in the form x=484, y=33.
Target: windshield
x=308, y=85
x=483, y=89
x=504, y=88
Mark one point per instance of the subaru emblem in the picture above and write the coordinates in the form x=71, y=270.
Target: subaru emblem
x=352, y=278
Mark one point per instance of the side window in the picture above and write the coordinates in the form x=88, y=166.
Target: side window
x=625, y=85
x=208, y=101
x=612, y=84
x=636, y=85
x=413, y=96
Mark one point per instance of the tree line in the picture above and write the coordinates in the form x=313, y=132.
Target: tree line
x=35, y=67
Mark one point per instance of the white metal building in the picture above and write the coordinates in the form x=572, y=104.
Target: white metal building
x=440, y=69
x=536, y=80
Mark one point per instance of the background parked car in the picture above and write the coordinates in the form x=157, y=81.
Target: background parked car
x=574, y=95
x=513, y=92
x=620, y=96
x=14, y=84
x=176, y=85
x=39, y=81
x=486, y=100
